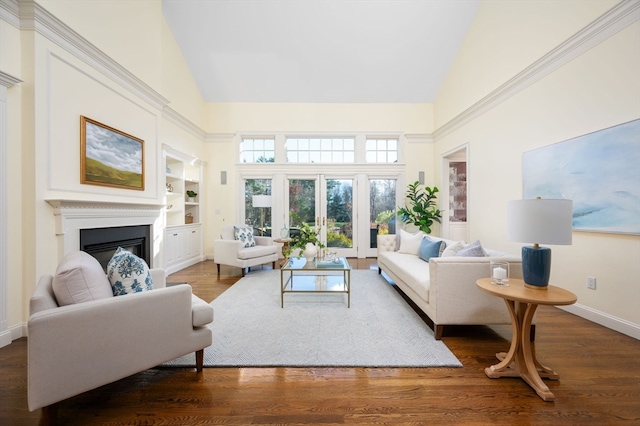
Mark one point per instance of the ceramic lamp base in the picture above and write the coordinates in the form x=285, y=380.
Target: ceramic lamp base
x=536, y=266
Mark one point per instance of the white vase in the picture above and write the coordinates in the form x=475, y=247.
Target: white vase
x=309, y=252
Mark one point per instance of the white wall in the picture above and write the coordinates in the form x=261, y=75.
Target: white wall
x=123, y=78
x=597, y=89
x=224, y=120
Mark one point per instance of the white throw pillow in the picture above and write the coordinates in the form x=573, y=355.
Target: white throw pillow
x=410, y=243
x=80, y=278
x=453, y=249
x=127, y=273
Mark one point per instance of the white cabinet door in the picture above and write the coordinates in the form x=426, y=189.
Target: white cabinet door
x=182, y=247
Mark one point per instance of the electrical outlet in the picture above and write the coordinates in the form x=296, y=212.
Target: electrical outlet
x=591, y=283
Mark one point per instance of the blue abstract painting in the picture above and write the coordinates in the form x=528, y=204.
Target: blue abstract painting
x=599, y=171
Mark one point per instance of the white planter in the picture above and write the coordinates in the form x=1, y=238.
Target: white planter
x=310, y=252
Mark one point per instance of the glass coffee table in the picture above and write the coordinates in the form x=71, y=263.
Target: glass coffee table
x=317, y=276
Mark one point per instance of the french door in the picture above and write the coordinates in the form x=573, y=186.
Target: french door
x=328, y=203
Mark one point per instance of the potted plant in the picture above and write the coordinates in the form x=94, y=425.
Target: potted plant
x=191, y=195
x=422, y=209
x=307, y=239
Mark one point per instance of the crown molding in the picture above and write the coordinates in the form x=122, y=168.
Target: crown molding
x=7, y=80
x=34, y=17
x=10, y=12
x=219, y=137
x=185, y=124
x=615, y=20
x=419, y=138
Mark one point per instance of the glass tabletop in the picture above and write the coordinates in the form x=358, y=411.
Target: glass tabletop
x=301, y=264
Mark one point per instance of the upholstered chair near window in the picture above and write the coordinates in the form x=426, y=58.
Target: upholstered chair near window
x=239, y=247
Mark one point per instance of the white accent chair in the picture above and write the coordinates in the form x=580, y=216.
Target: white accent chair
x=79, y=347
x=229, y=251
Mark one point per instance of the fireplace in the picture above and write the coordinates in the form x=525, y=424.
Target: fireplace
x=117, y=222
x=101, y=243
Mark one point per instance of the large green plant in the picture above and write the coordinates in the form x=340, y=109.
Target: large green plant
x=421, y=210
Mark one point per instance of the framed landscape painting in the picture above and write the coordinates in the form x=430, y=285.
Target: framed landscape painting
x=599, y=171
x=109, y=157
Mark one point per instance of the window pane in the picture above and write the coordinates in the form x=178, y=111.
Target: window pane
x=270, y=144
x=382, y=145
x=258, y=144
x=303, y=156
x=371, y=157
x=349, y=157
x=303, y=144
x=393, y=157
x=349, y=145
x=382, y=157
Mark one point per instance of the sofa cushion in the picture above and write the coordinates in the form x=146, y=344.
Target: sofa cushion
x=127, y=273
x=80, y=278
x=256, y=251
x=429, y=249
x=201, y=312
x=472, y=250
x=245, y=235
x=410, y=269
x=410, y=243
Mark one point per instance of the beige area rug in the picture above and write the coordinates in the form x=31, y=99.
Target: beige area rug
x=318, y=330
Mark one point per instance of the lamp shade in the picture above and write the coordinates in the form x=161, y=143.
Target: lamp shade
x=261, y=201
x=540, y=221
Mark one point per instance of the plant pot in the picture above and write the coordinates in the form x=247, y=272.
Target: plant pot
x=310, y=252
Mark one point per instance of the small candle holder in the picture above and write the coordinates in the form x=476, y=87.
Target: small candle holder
x=499, y=273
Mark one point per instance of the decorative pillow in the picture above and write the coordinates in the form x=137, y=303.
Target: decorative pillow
x=80, y=278
x=127, y=273
x=429, y=249
x=472, y=250
x=442, y=246
x=452, y=249
x=410, y=243
x=244, y=234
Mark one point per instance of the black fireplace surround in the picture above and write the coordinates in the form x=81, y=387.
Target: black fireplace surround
x=101, y=243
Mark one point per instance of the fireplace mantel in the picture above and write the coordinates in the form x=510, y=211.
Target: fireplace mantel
x=73, y=215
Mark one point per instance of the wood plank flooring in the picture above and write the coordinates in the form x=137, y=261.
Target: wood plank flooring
x=599, y=383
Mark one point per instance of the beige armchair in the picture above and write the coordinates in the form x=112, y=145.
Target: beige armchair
x=229, y=251
x=81, y=346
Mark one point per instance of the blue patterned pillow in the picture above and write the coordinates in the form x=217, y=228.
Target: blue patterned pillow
x=244, y=234
x=127, y=273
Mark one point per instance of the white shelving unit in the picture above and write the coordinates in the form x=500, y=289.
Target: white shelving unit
x=183, y=243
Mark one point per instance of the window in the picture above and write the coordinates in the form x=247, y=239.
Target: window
x=320, y=150
x=257, y=205
x=382, y=150
x=257, y=151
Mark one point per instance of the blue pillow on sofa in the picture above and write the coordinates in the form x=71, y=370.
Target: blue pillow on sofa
x=429, y=249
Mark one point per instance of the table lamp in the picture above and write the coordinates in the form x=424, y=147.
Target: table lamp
x=539, y=221
x=262, y=202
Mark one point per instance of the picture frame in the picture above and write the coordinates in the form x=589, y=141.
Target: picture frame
x=110, y=157
x=599, y=171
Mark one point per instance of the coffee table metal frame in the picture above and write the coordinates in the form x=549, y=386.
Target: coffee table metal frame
x=300, y=268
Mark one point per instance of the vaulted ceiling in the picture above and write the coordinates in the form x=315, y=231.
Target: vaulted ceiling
x=341, y=51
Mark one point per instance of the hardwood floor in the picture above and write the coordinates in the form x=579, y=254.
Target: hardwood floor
x=599, y=383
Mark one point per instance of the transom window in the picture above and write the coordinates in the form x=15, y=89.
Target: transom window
x=257, y=150
x=382, y=150
x=320, y=150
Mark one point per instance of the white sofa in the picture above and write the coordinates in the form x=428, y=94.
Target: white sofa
x=81, y=346
x=445, y=287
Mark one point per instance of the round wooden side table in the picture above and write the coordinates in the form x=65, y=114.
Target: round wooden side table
x=522, y=303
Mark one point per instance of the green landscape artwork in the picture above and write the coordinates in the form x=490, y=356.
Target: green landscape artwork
x=110, y=157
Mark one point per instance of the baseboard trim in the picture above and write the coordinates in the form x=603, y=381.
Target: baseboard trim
x=5, y=338
x=604, y=319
